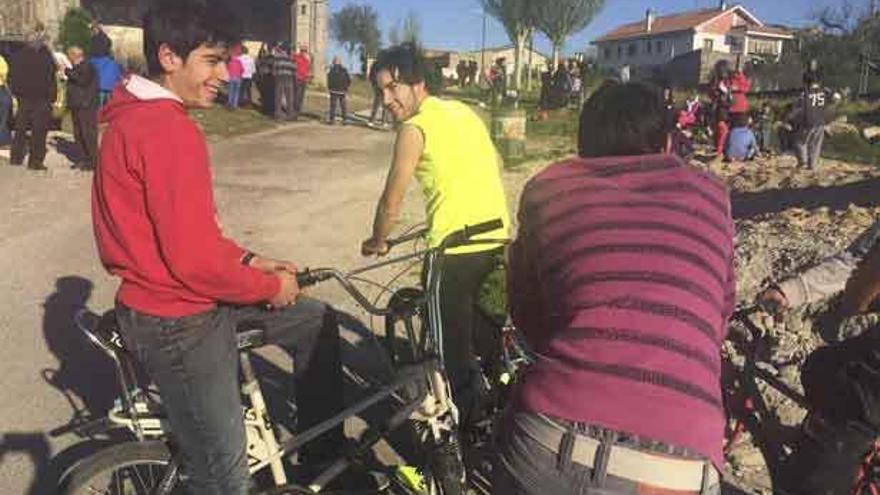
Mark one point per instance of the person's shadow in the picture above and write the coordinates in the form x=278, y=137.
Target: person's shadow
x=85, y=375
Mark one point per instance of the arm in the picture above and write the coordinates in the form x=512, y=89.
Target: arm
x=523, y=281
x=180, y=204
x=407, y=152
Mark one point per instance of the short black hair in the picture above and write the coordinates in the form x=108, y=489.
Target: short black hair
x=185, y=25
x=739, y=120
x=623, y=119
x=405, y=62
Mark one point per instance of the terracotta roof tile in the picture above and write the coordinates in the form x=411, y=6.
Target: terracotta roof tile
x=665, y=24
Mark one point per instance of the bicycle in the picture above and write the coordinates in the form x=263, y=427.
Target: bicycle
x=147, y=464
x=746, y=404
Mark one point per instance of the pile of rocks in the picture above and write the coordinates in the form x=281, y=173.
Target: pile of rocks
x=770, y=247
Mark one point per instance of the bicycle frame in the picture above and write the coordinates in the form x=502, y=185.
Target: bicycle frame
x=432, y=403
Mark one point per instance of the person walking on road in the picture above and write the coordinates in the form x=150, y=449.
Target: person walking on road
x=338, y=82
x=303, y=75
x=82, y=100
x=249, y=69
x=5, y=104
x=32, y=81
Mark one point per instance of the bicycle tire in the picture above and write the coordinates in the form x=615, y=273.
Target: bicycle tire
x=81, y=479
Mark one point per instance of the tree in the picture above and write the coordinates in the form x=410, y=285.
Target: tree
x=356, y=27
x=559, y=19
x=412, y=29
x=74, y=29
x=518, y=19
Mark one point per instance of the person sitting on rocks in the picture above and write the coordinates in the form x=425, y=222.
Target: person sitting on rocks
x=741, y=143
x=841, y=381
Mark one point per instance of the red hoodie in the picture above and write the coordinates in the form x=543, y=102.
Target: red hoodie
x=153, y=210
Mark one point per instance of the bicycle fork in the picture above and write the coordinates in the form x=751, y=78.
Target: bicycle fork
x=257, y=418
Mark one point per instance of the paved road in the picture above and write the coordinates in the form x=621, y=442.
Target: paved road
x=304, y=192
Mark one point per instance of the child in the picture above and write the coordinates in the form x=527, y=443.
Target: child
x=741, y=143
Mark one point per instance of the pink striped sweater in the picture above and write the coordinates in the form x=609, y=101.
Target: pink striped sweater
x=622, y=281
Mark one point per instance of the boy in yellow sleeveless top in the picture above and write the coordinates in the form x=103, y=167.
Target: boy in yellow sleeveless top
x=446, y=146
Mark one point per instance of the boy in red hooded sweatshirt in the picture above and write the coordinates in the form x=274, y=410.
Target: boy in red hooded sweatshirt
x=185, y=286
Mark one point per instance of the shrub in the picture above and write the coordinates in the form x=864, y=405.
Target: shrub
x=75, y=28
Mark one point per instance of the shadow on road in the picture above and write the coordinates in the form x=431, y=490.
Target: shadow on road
x=750, y=204
x=84, y=375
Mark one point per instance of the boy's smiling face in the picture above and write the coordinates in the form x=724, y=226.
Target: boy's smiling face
x=196, y=80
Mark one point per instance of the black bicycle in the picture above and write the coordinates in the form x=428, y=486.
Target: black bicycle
x=419, y=390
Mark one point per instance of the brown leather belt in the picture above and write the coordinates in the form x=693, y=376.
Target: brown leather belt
x=625, y=463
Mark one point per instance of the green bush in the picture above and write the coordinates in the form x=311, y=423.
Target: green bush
x=74, y=29
x=493, y=296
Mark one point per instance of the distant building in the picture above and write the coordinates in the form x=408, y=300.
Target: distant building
x=724, y=32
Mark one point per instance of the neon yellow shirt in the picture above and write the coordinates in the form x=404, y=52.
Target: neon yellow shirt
x=458, y=173
x=4, y=71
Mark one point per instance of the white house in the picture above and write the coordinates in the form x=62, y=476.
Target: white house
x=656, y=40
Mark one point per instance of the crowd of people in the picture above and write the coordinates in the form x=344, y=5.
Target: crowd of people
x=43, y=83
x=621, y=277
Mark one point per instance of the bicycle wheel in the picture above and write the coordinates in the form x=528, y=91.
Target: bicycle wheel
x=132, y=468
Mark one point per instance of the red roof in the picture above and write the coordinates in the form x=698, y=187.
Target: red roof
x=683, y=21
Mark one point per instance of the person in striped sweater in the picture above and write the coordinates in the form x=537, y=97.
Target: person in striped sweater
x=621, y=279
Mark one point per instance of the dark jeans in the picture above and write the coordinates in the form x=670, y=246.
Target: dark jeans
x=34, y=115
x=85, y=131
x=300, y=95
x=338, y=100
x=194, y=362
x=5, y=114
x=523, y=466
x=465, y=328
x=245, y=96
x=809, y=146
x=104, y=97
x=285, y=94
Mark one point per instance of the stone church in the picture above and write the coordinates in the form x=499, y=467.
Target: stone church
x=300, y=22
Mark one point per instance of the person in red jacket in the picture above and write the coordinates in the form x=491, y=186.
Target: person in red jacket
x=185, y=286
x=303, y=75
x=729, y=90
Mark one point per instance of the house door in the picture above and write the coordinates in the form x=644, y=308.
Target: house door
x=709, y=45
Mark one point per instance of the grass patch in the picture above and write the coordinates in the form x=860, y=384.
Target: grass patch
x=217, y=121
x=493, y=295
x=851, y=147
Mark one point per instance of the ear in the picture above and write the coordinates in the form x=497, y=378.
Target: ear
x=168, y=60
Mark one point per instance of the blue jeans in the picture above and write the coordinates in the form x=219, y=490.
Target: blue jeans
x=194, y=362
x=234, y=92
x=5, y=113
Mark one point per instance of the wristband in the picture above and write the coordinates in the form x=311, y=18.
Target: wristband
x=247, y=258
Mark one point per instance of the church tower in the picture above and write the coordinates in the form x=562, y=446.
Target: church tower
x=309, y=27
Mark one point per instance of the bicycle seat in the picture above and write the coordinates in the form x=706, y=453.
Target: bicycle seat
x=250, y=335
x=102, y=330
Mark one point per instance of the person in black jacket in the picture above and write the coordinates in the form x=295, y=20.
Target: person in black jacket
x=100, y=44
x=32, y=80
x=338, y=82
x=82, y=99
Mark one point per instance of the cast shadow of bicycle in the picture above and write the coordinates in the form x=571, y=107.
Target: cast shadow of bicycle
x=366, y=368
x=84, y=376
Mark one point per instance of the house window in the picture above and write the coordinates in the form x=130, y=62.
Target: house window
x=763, y=47
x=620, y=52
x=709, y=45
x=607, y=53
x=648, y=46
x=302, y=10
x=659, y=47
x=631, y=50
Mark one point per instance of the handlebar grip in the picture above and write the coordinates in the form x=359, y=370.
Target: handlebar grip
x=306, y=278
x=483, y=228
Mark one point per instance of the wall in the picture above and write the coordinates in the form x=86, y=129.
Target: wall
x=673, y=44
x=21, y=16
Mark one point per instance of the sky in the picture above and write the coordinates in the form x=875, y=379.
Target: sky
x=457, y=24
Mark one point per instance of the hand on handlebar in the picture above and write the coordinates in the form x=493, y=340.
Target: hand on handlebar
x=288, y=292
x=773, y=301
x=375, y=247
x=269, y=265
